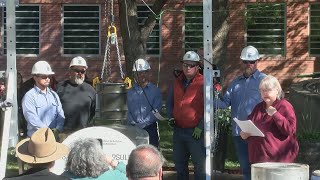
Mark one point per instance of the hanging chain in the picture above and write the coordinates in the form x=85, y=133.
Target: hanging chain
x=111, y=40
x=119, y=60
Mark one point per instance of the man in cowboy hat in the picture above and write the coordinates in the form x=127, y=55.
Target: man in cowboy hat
x=40, y=152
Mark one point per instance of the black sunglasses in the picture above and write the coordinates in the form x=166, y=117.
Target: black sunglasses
x=79, y=71
x=189, y=65
x=44, y=76
x=248, y=62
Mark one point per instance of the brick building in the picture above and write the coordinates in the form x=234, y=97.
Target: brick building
x=58, y=30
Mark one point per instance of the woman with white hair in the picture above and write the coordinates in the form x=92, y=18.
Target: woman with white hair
x=276, y=118
x=87, y=160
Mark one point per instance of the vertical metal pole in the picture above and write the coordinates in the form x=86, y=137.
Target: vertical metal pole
x=11, y=68
x=10, y=124
x=208, y=80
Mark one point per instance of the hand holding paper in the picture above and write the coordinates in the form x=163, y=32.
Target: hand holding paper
x=248, y=127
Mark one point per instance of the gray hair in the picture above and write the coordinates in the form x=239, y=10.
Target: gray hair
x=270, y=82
x=87, y=159
x=144, y=161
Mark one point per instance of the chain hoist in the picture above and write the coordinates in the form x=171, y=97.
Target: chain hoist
x=112, y=40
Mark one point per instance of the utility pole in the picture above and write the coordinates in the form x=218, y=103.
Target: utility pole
x=10, y=123
x=208, y=83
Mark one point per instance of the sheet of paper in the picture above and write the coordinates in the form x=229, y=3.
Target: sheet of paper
x=248, y=127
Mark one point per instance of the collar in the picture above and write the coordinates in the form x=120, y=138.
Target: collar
x=38, y=90
x=136, y=86
x=255, y=75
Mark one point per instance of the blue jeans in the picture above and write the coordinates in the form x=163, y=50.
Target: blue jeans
x=184, y=146
x=242, y=154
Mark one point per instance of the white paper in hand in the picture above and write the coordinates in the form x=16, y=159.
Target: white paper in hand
x=248, y=127
x=158, y=115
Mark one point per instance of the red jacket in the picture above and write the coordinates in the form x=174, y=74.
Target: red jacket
x=188, y=104
x=280, y=143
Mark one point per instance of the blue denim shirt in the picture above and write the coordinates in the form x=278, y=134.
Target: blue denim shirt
x=42, y=110
x=242, y=95
x=139, y=109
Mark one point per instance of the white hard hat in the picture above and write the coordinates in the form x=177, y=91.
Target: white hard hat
x=191, y=56
x=42, y=67
x=249, y=53
x=141, y=65
x=78, y=61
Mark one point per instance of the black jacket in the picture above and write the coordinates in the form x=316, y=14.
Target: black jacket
x=38, y=174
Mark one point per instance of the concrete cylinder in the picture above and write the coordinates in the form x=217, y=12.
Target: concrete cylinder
x=279, y=171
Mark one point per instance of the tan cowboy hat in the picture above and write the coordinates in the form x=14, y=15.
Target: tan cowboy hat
x=41, y=148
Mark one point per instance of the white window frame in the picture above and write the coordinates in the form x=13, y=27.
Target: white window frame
x=35, y=45
x=193, y=45
x=312, y=34
x=82, y=36
x=267, y=33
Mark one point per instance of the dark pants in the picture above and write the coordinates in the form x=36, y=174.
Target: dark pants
x=153, y=132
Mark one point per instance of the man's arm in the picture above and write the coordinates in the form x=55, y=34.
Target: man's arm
x=93, y=106
x=169, y=103
x=60, y=113
x=30, y=111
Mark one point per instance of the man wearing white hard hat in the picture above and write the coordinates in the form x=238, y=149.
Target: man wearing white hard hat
x=143, y=99
x=78, y=98
x=243, y=95
x=186, y=106
x=41, y=106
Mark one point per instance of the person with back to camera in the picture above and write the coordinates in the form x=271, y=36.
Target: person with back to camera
x=41, y=106
x=142, y=99
x=145, y=163
x=185, y=104
x=87, y=160
x=78, y=98
x=243, y=95
x=40, y=152
x=276, y=119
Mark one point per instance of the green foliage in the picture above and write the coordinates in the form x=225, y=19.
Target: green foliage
x=224, y=119
x=309, y=137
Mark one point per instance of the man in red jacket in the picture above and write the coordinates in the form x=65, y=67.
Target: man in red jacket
x=185, y=104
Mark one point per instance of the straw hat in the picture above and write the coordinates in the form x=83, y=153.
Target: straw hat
x=41, y=148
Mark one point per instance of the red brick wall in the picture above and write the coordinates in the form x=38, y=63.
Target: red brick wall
x=295, y=61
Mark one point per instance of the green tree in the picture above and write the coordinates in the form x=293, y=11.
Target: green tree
x=135, y=36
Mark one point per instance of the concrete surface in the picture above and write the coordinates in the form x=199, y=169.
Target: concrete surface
x=171, y=175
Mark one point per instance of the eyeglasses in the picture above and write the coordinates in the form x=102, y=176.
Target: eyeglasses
x=189, y=65
x=248, y=62
x=44, y=76
x=79, y=71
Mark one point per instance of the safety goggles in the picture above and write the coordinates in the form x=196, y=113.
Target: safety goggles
x=79, y=71
x=248, y=62
x=189, y=65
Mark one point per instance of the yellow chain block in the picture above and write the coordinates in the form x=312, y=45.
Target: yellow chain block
x=95, y=81
x=114, y=30
x=128, y=83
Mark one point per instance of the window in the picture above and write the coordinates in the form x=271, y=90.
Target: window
x=314, y=37
x=27, y=30
x=193, y=32
x=81, y=29
x=266, y=28
x=153, y=42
